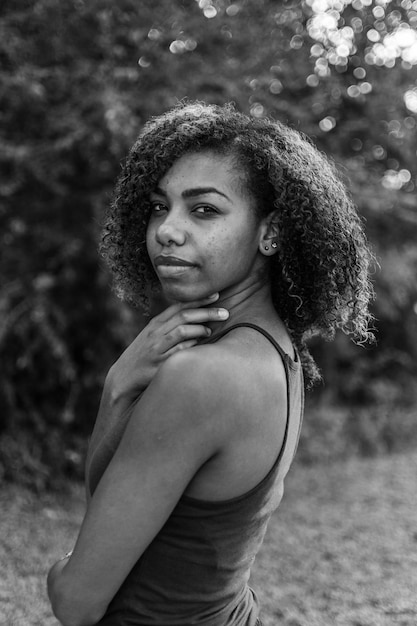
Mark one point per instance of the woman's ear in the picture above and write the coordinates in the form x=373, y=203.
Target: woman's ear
x=269, y=235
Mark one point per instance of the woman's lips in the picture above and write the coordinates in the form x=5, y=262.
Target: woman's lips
x=171, y=266
x=171, y=261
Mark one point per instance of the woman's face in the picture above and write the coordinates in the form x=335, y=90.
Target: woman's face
x=203, y=234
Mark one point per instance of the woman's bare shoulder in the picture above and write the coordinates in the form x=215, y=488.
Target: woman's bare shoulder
x=189, y=402
x=235, y=370
x=201, y=371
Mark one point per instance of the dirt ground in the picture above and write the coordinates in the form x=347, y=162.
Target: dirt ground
x=342, y=548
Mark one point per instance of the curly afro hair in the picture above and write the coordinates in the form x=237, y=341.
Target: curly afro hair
x=319, y=277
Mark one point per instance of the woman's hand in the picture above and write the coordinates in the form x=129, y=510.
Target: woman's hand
x=179, y=327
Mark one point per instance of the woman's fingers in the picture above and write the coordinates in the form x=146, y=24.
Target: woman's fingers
x=183, y=333
x=180, y=306
x=181, y=346
x=182, y=325
x=196, y=316
x=188, y=328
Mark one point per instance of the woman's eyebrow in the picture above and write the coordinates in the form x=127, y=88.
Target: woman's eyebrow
x=195, y=191
x=200, y=191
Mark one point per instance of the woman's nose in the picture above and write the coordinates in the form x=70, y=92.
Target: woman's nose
x=171, y=230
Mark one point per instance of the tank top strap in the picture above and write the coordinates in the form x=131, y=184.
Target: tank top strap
x=261, y=330
x=286, y=360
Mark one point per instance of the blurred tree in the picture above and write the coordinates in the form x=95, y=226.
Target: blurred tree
x=57, y=329
x=78, y=80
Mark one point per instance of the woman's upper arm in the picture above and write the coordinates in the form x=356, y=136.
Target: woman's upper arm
x=171, y=434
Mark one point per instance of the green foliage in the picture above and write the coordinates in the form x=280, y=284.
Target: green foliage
x=335, y=432
x=78, y=80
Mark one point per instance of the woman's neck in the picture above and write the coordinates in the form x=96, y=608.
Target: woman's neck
x=245, y=302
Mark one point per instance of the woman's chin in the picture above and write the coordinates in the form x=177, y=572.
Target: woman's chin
x=175, y=295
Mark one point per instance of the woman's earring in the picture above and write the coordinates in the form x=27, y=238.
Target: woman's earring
x=266, y=247
x=274, y=244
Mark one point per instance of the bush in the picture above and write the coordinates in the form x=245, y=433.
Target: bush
x=77, y=81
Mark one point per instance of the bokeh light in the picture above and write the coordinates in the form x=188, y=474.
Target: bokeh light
x=410, y=100
x=389, y=37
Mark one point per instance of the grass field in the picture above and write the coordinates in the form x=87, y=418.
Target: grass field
x=341, y=550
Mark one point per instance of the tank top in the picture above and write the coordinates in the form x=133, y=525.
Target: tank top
x=196, y=570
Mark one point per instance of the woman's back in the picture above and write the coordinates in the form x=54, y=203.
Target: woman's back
x=196, y=569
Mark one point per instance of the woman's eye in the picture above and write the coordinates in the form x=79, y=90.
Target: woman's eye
x=205, y=210
x=157, y=207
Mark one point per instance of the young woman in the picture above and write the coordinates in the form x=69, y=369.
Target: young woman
x=250, y=236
